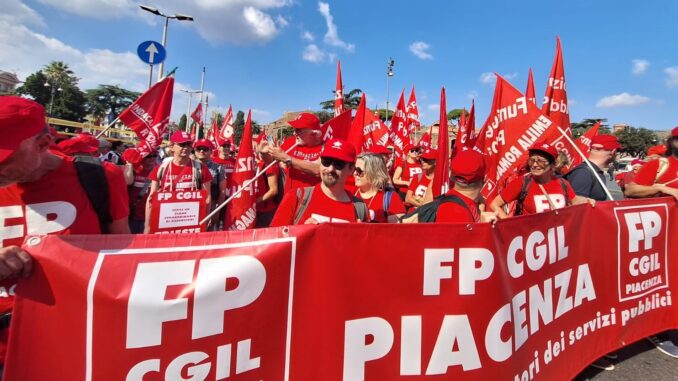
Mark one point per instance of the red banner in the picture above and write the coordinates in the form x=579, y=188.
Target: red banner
x=339, y=93
x=535, y=297
x=367, y=130
x=241, y=214
x=399, y=132
x=338, y=127
x=412, y=112
x=178, y=211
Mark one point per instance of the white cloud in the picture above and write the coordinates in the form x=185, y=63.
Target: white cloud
x=671, y=76
x=488, y=78
x=241, y=21
x=472, y=95
x=639, y=66
x=260, y=114
x=313, y=54
x=420, y=49
x=16, y=12
x=332, y=36
x=433, y=107
x=511, y=76
x=622, y=100
x=308, y=36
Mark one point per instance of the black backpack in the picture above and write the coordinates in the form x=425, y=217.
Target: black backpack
x=523, y=194
x=93, y=181
x=429, y=211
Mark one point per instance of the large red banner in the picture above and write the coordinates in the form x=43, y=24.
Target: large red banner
x=534, y=297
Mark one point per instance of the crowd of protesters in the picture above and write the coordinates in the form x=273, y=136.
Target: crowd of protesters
x=82, y=185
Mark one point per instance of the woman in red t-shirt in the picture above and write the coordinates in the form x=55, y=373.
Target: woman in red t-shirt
x=545, y=191
x=267, y=190
x=417, y=191
x=407, y=169
x=374, y=188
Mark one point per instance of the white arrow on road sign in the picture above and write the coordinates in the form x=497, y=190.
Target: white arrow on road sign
x=152, y=51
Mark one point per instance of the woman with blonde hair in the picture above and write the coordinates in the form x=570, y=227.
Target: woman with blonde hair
x=375, y=189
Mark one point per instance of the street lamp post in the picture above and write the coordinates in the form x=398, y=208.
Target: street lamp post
x=53, y=90
x=176, y=16
x=190, y=97
x=389, y=74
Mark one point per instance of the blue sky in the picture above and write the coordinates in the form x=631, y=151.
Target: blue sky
x=621, y=57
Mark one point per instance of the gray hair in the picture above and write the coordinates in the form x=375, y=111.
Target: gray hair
x=375, y=170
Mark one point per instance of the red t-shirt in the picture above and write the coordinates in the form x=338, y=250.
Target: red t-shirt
x=179, y=176
x=298, y=178
x=375, y=206
x=535, y=200
x=138, y=194
x=320, y=207
x=419, y=185
x=56, y=204
x=229, y=169
x=648, y=172
x=410, y=171
x=262, y=187
x=455, y=213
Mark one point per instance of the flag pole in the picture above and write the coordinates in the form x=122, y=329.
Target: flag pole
x=245, y=185
x=588, y=163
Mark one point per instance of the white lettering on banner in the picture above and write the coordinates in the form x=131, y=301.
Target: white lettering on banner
x=242, y=222
x=245, y=164
x=211, y=299
x=320, y=218
x=506, y=113
x=534, y=132
x=194, y=195
x=650, y=303
x=142, y=114
x=475, y=264
x=557, y=83
x=535, y=251
x=371, y=127
x=40, y=218
x=455, y=333
x=541, y=202
x=329, y=133
x=650, y=223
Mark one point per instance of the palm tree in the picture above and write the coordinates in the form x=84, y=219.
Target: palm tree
x=59, y=73
x=351, y=100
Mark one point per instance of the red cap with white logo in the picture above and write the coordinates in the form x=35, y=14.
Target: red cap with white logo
x=339, y=149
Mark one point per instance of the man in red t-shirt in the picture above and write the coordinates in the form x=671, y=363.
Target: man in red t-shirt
x=40, y=193
x=302, y=163
x=658, y=177
x=328, y=201
x=177, y=173
x=468, y=171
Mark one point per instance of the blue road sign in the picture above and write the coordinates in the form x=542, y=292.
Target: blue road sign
x=151, y=52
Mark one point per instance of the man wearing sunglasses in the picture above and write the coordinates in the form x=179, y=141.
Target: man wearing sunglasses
x=328, y=201
x=179, y=173
x=303, y=161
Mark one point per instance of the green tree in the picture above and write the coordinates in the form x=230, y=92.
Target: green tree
x=108, y=98
x=34, y=86
x=636, y=141
x=351, y=100
x=455, y=114
x=239, y=126
x=579, y=128
x=182, y=122
x=324, y=116
x=382, y=112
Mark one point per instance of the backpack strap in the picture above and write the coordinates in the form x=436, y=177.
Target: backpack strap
x=360, y=208
x=563, y=185
x=93, y=181
x=161, y=172
x=303, y=199
x=523, y=194
x=197, y=173
x=386, y=202
x=661, y=168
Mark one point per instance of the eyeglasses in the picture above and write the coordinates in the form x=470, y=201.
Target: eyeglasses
x=337, y=164
x=359, y=172
x=185, y=144
x=203, y=149
x=540, y=162
x=416, y=151
x=428, y=161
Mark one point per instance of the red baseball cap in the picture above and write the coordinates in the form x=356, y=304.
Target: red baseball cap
x=468, y=166
x=180, y=137
x=379, y=150
x=20, y=119
x=306, y=120
x=429, y=154
x=409, y=147
x=204, y=143
x=607, y=142
x=83, y=143
x=656, y=150
x=545, y=148
x=339, y=149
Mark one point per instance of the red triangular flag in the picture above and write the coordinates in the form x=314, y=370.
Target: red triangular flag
x=149, y=115
x=412, y=112
x=513, y=126
x=399, y=132
x=242, y=213
x=367, y=129
x=471, y=126
x=197, y=113
x=441, y=177
x=339, y=93
x=529, y=92
x=584, y=143
x=337, y=127
x=226, y=131
x=425, y=140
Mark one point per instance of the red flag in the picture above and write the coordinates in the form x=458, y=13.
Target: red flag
x=412, y=112
x=149, y=115
x=241, y=213
x=399, y=132
x=226, y=132
x=339, y=93
x=441, y=176
x=584, y=143
x=529, y=92
x=210, y=135
x=471, y=126
x=367, y=129
x=337, y=127
x=513, y=126
x=425, y=140
x=197, y=113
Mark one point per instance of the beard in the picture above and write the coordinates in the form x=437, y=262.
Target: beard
x=329, y=179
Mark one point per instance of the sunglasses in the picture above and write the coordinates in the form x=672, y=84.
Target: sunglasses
x=151, y=156
x=337, y=164
x=540, y=162
x=185, y=144
x=427, y=161
x=201, y=149
x=417, y=151
x=359, y=172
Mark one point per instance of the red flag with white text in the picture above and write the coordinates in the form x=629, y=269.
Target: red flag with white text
x=337, y=127
x=149, y=115
x=412, y=112
x=367, y=129
x=441, y=177
x=425, y=140
x=513, y=126
x=584, y=143
x=241, y=214
x=339, y=93
x=226, y=131
x=197, y=113
x=529, y=91
x=399, y=132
